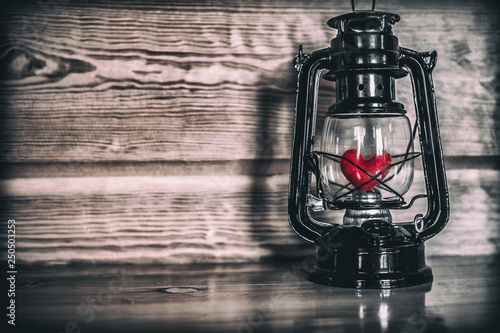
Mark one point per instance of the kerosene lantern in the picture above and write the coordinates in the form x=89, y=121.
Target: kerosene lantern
x=365, y=163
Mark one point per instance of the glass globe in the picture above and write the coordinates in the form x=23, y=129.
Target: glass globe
x=363, y=152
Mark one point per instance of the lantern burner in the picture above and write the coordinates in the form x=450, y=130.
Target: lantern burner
x=370, y=201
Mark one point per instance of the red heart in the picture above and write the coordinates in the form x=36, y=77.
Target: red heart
x=374, y=165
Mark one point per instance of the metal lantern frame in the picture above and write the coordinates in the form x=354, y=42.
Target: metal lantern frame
x=377, y=254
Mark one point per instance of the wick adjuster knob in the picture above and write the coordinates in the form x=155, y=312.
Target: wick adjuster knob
x=377, y=232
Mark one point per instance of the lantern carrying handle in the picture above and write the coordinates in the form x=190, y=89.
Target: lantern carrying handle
x=309, y=67
x=438, y=207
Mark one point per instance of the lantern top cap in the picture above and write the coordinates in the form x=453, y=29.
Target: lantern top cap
x=364, y=21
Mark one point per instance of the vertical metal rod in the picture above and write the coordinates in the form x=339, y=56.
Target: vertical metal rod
x=352, y=4
x=373, y=5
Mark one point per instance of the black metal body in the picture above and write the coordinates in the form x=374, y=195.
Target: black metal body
x=365, y=59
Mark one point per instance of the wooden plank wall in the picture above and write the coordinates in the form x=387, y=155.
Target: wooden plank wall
x=160, y=131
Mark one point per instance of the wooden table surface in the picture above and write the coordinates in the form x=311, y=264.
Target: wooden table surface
x=265, y=297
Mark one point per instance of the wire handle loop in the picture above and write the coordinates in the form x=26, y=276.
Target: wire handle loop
x=418, y=221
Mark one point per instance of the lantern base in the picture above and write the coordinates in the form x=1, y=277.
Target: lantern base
x=351, y=257
x=371, y=281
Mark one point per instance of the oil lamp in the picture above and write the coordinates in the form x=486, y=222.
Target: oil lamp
x=365, y=162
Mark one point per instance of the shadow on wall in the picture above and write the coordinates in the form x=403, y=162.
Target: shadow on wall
x=493, y=87
x=276, y=109
x=264, y=200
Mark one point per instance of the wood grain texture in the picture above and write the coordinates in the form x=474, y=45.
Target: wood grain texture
x=253, y=167
x=212, y=80
x=134, y=132
x=219, y=218
x=464, y=297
